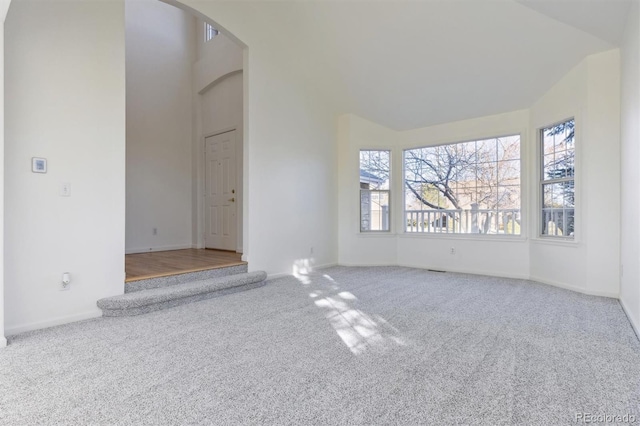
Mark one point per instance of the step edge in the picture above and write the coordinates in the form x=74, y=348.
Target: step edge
x=159, y=295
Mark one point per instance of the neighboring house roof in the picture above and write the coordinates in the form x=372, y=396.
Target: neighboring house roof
x=366, y=177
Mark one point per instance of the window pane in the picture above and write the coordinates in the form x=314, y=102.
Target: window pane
x=487, y=150
x=558, y=222
x=374, y=169
x=509, y=198
x=565, y=163
x=374, y=190
x=558, y=185
x=509, y=172
x=508, y=148
x=465, y=185
x=374, y=210
x=558, y=151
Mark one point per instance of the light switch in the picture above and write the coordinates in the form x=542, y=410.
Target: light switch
x=65, y=189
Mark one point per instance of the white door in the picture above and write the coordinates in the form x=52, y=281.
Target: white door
x=221, y=194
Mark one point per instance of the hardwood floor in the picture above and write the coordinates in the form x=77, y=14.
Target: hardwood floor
x=141, y=266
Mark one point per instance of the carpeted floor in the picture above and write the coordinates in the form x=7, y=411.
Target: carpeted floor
x=384, y=345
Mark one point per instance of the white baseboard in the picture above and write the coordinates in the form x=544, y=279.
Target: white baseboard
x=288, y=274
x=634, y=325
x=278, y=275
x=365, y=265
x=21, y=328
x=325, y=266
x=159, y=248
x=469, y=271
x=574, y=288
x=501, y=275
x=3, y=342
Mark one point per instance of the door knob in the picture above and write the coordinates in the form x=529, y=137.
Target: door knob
x=232, y=199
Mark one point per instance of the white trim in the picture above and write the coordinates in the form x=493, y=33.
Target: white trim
x=376, y=234
x=21, y=328
x=365, y=265
x=556, y=241
x=468, y=271
x=494, y=274
x=466, y=237
x=634, y=326
x=159, y=248
x=326, y=265
x=4, y=6
x=574, y=288
x=221, y=132
x=289, y=274
x=278, y=275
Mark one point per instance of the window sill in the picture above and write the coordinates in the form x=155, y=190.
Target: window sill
x=466, y=237
x=381, y=234
x=556, y=241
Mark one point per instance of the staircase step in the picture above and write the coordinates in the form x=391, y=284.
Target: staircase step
x=145, y=301
x=159, y=282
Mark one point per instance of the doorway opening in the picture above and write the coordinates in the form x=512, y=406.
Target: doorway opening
x=185, y=143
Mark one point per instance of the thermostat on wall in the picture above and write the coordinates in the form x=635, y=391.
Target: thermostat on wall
x=39, y=165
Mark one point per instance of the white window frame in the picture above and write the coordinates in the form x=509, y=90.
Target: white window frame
x=387, y=191
x=542, y=182
x=210, y=32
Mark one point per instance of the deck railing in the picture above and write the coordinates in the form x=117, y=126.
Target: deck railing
x=464, y=221
x=558, y=221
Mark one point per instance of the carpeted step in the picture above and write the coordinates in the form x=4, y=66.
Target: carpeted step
x=142, y=302
x=149, y=283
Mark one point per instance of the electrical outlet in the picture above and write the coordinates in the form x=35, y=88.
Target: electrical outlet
x=65, y=189
x=452, y=250
x=311, y=251
x=155, y=231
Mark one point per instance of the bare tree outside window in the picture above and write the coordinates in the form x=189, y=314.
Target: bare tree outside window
x=467, y=187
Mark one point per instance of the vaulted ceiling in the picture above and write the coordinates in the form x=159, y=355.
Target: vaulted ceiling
x=407, y=65
x=410, y=64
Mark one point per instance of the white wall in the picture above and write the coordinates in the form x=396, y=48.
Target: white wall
x=591, y=94
x=355, y=248
x=4, y=7
x=216, y=58
x=160, y=52
x=502, y=256
x=630, y=139
x=290, y=135
x=65, y=101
